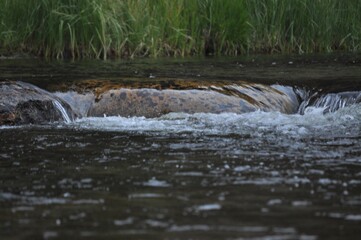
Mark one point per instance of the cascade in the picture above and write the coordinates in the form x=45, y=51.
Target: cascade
x=22, y=103
x=330, y=101
x=62, y=110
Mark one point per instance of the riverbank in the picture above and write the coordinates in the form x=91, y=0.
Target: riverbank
x=112, y=29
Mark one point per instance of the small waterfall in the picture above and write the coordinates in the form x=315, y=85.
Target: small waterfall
x=330, y=101
x=62, y=110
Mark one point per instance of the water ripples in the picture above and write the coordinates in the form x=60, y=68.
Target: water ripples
x=234, y=176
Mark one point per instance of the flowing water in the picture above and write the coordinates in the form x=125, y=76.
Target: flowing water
x=257, y=175
x=62, y=111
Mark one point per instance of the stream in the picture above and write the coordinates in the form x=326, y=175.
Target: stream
x=258, y=175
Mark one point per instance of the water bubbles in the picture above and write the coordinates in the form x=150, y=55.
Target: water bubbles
x=301, y=203
x=124, y=222
x=156, y=223
x=66, y=195
x=22, y=209
x=347, y=117
x=242, y=168
x=256, y=124
x=207, y=207
x=353, y=217
x=145, y=195
x=50, y=235
x=153, y=182
x=326, y=181
x=348, y=217
x=273, y=202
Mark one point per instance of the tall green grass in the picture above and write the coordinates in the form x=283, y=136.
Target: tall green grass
x=304, y=25
x=185, y=27
x=131, y=28
x=103, y=28
x=59, y=28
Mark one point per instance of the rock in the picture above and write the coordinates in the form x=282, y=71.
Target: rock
x=228, y=98
x=154, y=103
x=23, y=103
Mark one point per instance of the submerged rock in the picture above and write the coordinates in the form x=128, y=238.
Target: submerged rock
x=23, y=103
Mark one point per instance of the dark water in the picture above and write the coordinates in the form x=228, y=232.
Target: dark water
x=187, y=176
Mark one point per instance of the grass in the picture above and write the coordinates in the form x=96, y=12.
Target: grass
x=304, y=25
x=132, y=28
x=54, y=28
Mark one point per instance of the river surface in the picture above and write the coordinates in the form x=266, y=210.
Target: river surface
x=258, y=175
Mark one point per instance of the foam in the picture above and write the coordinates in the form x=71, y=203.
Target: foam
x=230, y=123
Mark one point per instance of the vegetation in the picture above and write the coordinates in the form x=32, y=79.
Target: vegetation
x=304, y=25
x=118, y=28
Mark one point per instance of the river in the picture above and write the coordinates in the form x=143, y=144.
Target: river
x=255, y=175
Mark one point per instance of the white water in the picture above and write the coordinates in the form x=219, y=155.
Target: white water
x=254, y=123
x=62, y=110
x=331, y=102
x=334, y=101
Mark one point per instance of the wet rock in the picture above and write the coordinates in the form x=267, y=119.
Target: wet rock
x=154, y=103
x=213, y=99
x=154, y=97
x=23, y=103
x=36, y=111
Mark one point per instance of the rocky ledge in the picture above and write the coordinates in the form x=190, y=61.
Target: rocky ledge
x=24, y=103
